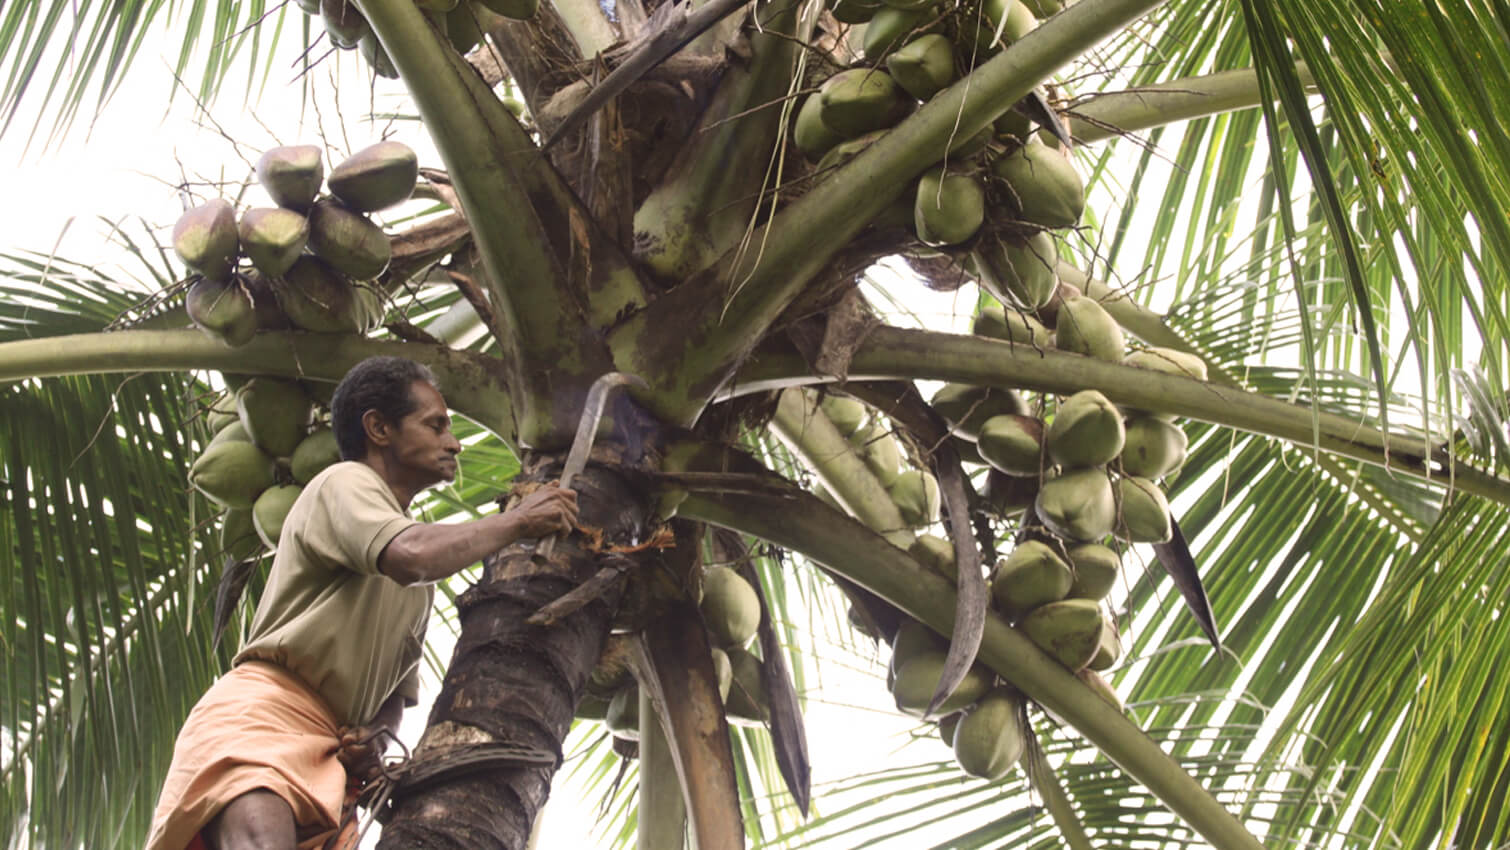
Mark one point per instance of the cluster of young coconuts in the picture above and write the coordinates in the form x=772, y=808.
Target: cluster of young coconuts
x=303, y=264
x=462, y=21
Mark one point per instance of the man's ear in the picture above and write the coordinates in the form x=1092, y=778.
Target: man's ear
x=379, y=433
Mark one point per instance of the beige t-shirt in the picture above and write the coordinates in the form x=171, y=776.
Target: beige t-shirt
x=327, y=614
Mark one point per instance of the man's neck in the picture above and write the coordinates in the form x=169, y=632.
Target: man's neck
x=402, y=490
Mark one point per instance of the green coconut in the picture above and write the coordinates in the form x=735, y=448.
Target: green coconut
x=1087, y=431
x=1143, y=512
x=1018, y=272
x=1012, y=325
x=223, y=310
x=1097, y=569
x=723, y=673
x=948, y=208
x=238, y=535
x=291, y=175
x=317, y=298
x=989, y=739
x=275, y=413
x=923, y=66
x=1043, y=186
x=232, y=431
x=947, y=725
x=1012, y=126
x=846, y=151
x=233, y=473
x=1154, y=448
x=348, y=240
x=1012, y=444
x=916, y=493
x=997, y=24
x=220, y=413
x=847, y=414
x=917, y=680
x=880, y=450
x=273, y=238
x=967, y=408
x=1009, y=495
x=313, y=454
x=1078, y=505
x=748, y=703
x=462, y=29
x=936, y=554
x=376, y=57
x=1031, y=575
x=809, y=133
x=730, y=607
x=623, y=714
x=375, y=177
x=862, y=100
x=913, y=640
x=1084, y=327
x=1102, y=688
x=892, y=27
x=205, y=239
x=1069, y=630
x=1109, y=651
x=343, y=23
x=271, y=508
x=854, y=11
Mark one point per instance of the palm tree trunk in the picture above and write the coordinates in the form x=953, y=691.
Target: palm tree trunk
x=510, y=682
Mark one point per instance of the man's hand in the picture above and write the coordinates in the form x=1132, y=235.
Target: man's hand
x=547, y=511
x=361, y=751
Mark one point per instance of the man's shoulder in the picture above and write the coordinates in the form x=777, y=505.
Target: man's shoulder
x=350, y=479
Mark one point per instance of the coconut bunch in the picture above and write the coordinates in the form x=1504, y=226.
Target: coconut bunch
x=306, y=256
x=915, y=491
x=267, y=444
x=461, y=22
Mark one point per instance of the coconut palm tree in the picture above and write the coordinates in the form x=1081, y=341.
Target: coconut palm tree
x=1303, y=194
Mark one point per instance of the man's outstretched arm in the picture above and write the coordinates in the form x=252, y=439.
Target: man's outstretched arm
x=427, y=553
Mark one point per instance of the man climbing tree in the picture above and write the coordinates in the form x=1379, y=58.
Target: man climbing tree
x=267, y=756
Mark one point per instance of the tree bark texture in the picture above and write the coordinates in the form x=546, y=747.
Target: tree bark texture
x=515, y=683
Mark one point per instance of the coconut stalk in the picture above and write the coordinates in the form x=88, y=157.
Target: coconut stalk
x=661, y=817
x=724, y=310
x=798, y=521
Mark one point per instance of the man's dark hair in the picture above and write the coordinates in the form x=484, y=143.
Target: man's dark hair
x=377, y=383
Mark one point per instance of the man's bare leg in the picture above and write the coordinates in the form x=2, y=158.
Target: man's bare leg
x=257, y=820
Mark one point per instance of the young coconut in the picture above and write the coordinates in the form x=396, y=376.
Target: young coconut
x=1143, y=512
x=623, y=715
x=989, y=739
x=1013, y=325
x=1078, y=505
x=1012, y=444
x=1069, y=630
x=847, y=414
x=313, y=454
x=917, y=680
x=233, y=473
x=923, y=66
x=1018, y=272
x=998, y=24
x=879, y=449
x=1032, y=575
x=348, y=240
x=862, y=100
x=891, y=27
x=1084, y=327
x=1154, y=448
x=809, y=133
x=936, y=554
x=748, y=704
x=1087, y=431
x=730, y=607
x=1170, y=362
x=343, y=23
x=271, y=508
x=238, y=536
x=967, y=408
x=1109, y=652
x=1097, y=569
x=948, y=208
x=317, y=298
x=376, y=177
x=222, y=310
x=1043, y=187
x=291, y=175
x=205, y=239
x=275, y=413
x=273, y=238
x=916, y=493
x=1009, y=495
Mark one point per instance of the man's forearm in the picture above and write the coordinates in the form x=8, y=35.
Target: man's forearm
x=428, y=553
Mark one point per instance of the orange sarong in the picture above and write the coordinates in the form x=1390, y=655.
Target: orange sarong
x=258, y=726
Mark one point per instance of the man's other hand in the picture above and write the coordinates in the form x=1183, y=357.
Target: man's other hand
x=547, y=511
x=361, y=752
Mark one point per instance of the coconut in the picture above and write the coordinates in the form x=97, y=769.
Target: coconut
x=809, y=133
x=923, y=66
x=462, y=29
x=1012, y=126
x=375, y=177
x=1049, y=312
x=1078, y=505
x=1097, y=569
x=723, y=673
x=1012, y=325
x=1143, y=512
x=205, y=239
x=947, y=725
x=748, y=703
x=1154, y=448
x=846, y=151
x=1097, y=683
x=1009, y=495
x=949, y=208
x=935, y=553
x=989, y=738
x=232, y=431
x=275, y=413
x=232, y=473
x=316, y=297
x=1012, y=444
x=1084, y=327
x=998, y=24
x=271, y=508
x=1018, y=272
x=348, y=240
x=854, y=11
x=1109, y=651
x=343, y=23
x=221, y=413
x=916, y=493
x=291, y=175
x=519, y=10
x=891, y=27
x=730, y=607
x=313, y=454
x=1043, y=187
x=623, y=714
x=1169, y=361
x=238, y=535
x=880, y=451
x=913, y=640
x=273, y=238
x=846, y=413
x=223, y=310
x=862, y=100
x=376, y=57
x=1033, y=574
x=1087, y=431
x=968, y=407
x=917, y=680
x=1070, y=630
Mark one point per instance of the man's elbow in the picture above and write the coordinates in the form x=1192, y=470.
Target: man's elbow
x=401, y=561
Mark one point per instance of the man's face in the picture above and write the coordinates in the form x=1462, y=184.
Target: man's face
x=423, y=445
